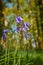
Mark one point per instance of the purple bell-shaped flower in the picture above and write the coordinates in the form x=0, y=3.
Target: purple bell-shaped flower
x=18, y=19
x=4, y=34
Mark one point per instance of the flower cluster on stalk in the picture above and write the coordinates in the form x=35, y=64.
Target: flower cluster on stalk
x=21, y=25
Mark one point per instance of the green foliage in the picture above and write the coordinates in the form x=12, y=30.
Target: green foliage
x=21, y=58
x=32, y=12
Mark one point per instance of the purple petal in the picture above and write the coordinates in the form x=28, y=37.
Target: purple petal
x=24, y=29
x=18, y=19
x=26, y=25
x=4, y=31
x=4, y=36
x=26, y=35
x=17, y=29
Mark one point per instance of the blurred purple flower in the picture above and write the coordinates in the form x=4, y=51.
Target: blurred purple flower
x=26, y=25
x=24, y=29
x=18, y=29
x=26, y=35
x=5, y=31
x=4, y=36
x=18, y=19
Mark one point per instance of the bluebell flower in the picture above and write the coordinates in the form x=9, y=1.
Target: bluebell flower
x=26, y=35
x=24, y=29
x=18, y=29
x=26, y=25
x=4, y=36
x=18, y=19
x=4, y=33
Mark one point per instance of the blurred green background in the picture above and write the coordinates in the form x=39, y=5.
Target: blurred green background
x=12, y=52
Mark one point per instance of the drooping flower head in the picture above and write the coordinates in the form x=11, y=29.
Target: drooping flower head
x=24, y=27
x=26, y=35
x=4, y=34
x=18, y=19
